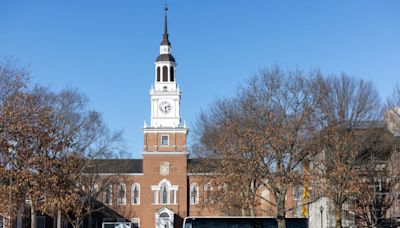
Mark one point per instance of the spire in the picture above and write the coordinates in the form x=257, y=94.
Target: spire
x=165, y=40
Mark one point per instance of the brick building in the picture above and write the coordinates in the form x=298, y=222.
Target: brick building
x=161, y=189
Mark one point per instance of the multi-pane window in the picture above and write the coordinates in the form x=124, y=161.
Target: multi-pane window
x=121, y=194
x=173, y=196
x=94, y=191
x=135, y=194
x=207, y=192
x=107, y=195
x=265, y=195
x=194, y=194
x=297, y=192
x=164, y=140
x=164, y=194
x=135, y=223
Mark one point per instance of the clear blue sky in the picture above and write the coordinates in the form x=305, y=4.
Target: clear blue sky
x=107, y=48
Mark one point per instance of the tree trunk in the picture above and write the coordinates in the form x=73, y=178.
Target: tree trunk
x=281, y=214
x=78, y=222
x=33, y=216
x=59, y=218
x=338, y=216
x=252, y=191
x=252, y=210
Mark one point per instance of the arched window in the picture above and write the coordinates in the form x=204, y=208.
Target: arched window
x=164, y=220
x=135, y=194
x=165, y=74
x=164, y=194
x=158, y=74
x=121, y=194
x=194, y=194
x=107, y=200
x=171, y=74
x=207, y=192
x=95, y=190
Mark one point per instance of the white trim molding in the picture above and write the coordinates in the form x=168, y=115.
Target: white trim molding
x=165, y=153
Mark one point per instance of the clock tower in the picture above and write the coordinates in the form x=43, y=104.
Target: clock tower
x=165, y=133
x=165, y=151
x=165, y=94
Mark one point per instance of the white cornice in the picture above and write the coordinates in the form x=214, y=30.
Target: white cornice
x=115, y=174
x=165, y=153
x=165, y=130
x=202, y=174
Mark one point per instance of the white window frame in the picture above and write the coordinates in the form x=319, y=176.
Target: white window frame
x=155, y=195
x=265, y=195
x=298, y=192
x=132, y=192
x=135, y=220
x=171, y=189
x=125, y=224
x=167, y=200
x=196, y=187
x=123, y=201
x=95, y=188
x=163, y=140
x=207, y=189
x=105, y=195
x=173, y=196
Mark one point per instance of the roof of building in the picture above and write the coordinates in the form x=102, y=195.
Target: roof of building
x=165, y=40
x=114, y=166
x=124, y=166
x=165, y=57
x=201, y=165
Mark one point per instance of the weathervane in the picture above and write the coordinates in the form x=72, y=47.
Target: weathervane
x=165, y=6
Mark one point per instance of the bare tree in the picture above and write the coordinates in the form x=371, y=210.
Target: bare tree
x=56, y=137
x=262, y=137
x=348, y=112
x=12, y=80
x=82, y=137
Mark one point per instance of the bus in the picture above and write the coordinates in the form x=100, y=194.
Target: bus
x=241, y=222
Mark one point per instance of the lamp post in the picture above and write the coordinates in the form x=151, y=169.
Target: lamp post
x=321, y=208
x=11, y=150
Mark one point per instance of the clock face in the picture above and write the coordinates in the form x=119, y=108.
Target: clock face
x=165, y=107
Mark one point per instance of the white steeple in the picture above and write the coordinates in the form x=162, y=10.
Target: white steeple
x=165, y=94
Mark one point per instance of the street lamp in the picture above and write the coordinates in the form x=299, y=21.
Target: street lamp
x=11, y=150
x=321, y=208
